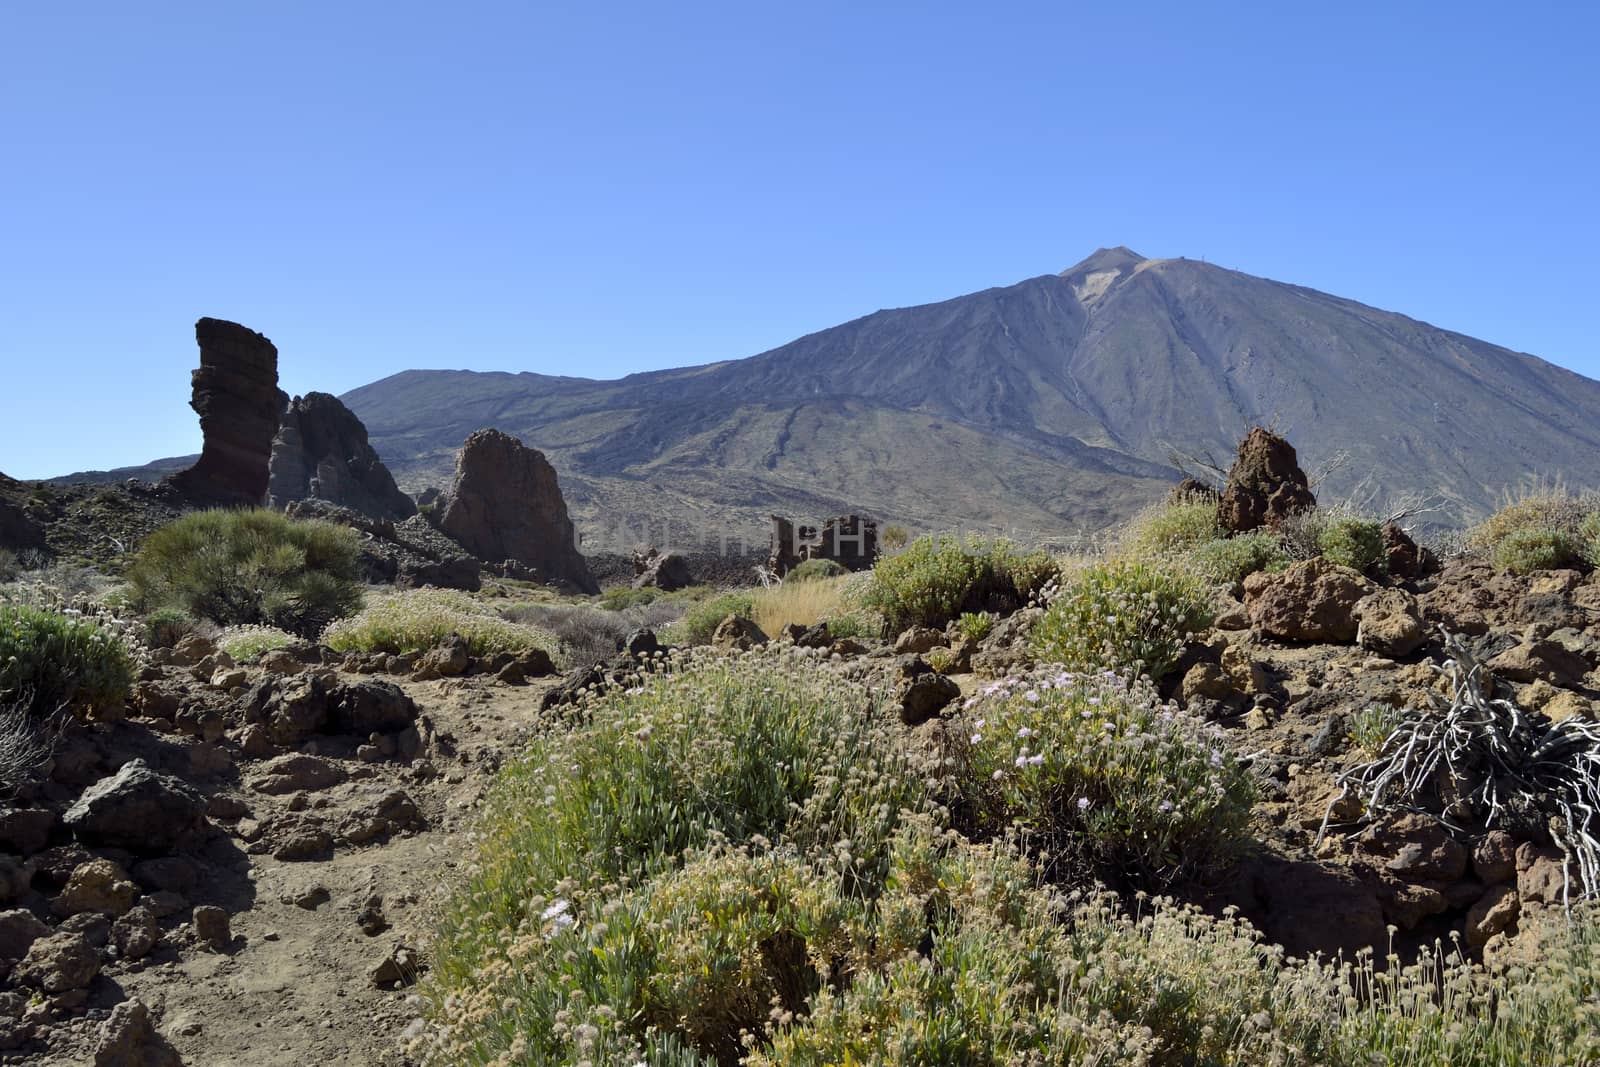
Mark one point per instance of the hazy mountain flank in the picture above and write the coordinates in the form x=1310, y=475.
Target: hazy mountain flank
x=1045, y=406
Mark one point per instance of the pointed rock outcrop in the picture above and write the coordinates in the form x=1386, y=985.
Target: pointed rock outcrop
x=237, y=398
x=321, y=452
x=505, y=504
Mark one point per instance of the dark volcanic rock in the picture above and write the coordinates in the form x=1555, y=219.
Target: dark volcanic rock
x=453, y=572
x=136, y=809
x=17, y=530
x=321, y=451
x=505, y=504
x=237, y=397
x=665, y=571
x=1265, y=485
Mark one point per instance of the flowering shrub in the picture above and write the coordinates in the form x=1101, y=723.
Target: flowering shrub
x=50, y=660
x=1123, y=616
x=415, y=620
x=247, y=642
x=165, y=627
x=938, y=577
x=1096, y=771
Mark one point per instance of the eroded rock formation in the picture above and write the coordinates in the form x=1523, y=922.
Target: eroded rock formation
x=1265, y=484
x=237, y=398
x=321, y=452
x=505, y=504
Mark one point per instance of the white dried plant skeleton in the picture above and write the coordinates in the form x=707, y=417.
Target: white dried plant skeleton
x=1471, y=759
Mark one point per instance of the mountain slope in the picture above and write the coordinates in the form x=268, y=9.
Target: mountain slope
x=1043, y=407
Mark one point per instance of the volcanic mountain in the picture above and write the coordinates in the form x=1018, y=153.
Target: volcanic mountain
x=1050, y=406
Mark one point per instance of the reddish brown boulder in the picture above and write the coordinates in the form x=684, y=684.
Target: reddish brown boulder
x=505, y=504
x=237, y=398
x=1265, y=485
x=1406, y=558
x=1313, y=600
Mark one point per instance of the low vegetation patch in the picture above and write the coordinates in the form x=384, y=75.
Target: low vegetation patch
x=812, y=569
x=250, y=568
x=938, y=578
x=1123, y=616
x=416, y=620
x=243, y=643
x=1100, y=777
x=1353, y=542
x=1228, y=561
x=1538, y=549
x=701, y=620
x=51, y=661
x=1171, y=528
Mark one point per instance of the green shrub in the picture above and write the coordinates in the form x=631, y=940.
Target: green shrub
x=165, y=627
x=1123, y=616
x=744, y=750
x=1354, y=543
x=938, y=577
x=1230, y=560
x=416, y=620
x=853, y=625
x=1098, y=773
x=1371, y=726
x=811, y=570
x=250, y=568
x=243, y=643
x=976, y=625
x=1172, y=528
x=1531, y=549
x=623, y=597
x=1589, y=538
x=700, y=622
x=50, y=661
x=894, y=537
x=1539, y=507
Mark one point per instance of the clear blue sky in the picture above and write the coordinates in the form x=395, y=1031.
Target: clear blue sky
x=595, y=189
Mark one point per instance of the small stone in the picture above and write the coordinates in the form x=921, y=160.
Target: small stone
x=98, y=886
x=1494, y=912
x=229, y=678
x=136, y=933
x=211, y=927
x=1494, y=858
x=129, y=1039
x=399, y=966
x=19, y=929
x=926, y=696
x=311, y=897
x=60, y=962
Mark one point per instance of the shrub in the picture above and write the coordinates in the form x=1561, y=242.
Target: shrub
x=804, y=603
x=937, y=578
x=49, y=661
x=702, y=619
x=1123, y=616
x=894, y=538
x=1538, y=507
x=1230, y=560
x=415, y=620
x=248, y=642
x=250, y=568
x=590, y=635
x=1354, y=543
x=24, y=744
x=1173, y=527
x=1534, y=549
x=1095, y=770
x=762, y=748
x=976, y=625
x=812, y=569
x=623, y=597
x=165, y=627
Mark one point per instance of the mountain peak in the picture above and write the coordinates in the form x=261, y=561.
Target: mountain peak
x=1119, y=258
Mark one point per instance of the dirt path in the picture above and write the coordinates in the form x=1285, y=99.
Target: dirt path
x=295, y=987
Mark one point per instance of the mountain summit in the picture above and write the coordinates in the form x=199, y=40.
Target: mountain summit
x=1049, y=405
